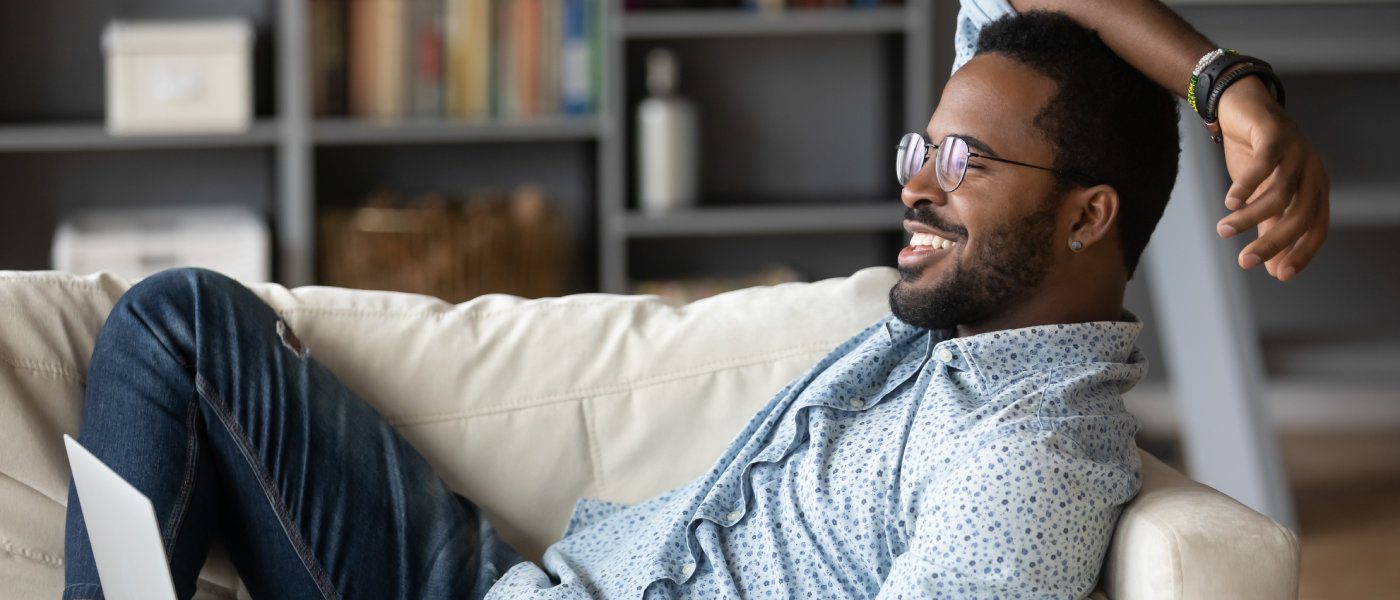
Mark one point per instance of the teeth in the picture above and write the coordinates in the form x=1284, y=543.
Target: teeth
x=929, y=239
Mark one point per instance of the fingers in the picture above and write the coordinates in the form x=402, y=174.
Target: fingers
x=1270, y=200
x=1296, y=258
x=1264, y=162
x=1281, y=235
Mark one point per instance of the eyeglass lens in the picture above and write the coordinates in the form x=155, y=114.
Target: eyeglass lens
x=950, y=163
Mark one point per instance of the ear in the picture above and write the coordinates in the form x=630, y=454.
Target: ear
x=1095, y=212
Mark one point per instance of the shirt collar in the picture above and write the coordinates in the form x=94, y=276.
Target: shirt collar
x=997, y=357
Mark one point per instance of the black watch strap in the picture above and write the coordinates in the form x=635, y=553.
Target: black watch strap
x=1212, y=103
x=1209, y=77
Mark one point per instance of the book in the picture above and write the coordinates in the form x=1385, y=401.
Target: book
x=378, y=56
x=469, y=43
x=425, y=63
x=328, y=50
x=551, y=49
x=526, y=23
x=575, y=67
x=505, y=100
x=467, y=59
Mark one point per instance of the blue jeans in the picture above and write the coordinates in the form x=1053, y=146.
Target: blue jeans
x=201, y=397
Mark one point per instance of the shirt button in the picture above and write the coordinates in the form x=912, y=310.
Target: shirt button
x=734, y=516
x=687, y=569
x=857, y=403
x=945, y=355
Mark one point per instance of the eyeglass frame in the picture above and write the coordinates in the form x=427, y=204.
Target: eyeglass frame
x=1071, y=175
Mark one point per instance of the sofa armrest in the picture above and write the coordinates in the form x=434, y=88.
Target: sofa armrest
x=1182, y=539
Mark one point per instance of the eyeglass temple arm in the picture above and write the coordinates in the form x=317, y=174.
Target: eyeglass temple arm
x=1015, y=162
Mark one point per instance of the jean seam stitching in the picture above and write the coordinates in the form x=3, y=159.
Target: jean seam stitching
x=274, y=499
x=85, y=591
x=182, y=500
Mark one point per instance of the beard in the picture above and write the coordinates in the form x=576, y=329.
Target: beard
x=1014, y=259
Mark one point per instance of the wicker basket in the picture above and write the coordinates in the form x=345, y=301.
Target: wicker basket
x=456, y=251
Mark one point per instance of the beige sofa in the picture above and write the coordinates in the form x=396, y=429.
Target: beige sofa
x=526, y=405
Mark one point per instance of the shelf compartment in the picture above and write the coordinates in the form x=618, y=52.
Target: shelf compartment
x=85, y=136
x=766, y=219
x=364, y=132
x=663, y=24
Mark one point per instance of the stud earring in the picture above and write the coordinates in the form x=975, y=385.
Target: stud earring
x=1076, y=245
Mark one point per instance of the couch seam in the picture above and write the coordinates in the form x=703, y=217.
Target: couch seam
x=1175, y=544
x=56, y=370
x=444, y=309
x=632, y=384
x=69, y=281
x=1295, y=550
x=17, y=550
x=595, y=454
x=60, y=503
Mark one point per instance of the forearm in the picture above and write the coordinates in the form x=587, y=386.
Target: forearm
x=1147, y=34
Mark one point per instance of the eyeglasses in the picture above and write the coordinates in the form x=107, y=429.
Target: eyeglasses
x=951, y=162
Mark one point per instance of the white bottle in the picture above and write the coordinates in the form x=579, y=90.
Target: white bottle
x=667, y=147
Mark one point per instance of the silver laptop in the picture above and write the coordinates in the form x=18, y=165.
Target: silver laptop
x=121, y=523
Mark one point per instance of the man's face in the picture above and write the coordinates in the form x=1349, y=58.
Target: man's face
x=1003, y=218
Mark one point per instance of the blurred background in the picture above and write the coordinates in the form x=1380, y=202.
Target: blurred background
x=676, y=147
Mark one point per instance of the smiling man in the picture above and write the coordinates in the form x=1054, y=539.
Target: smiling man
x=971, y=444
x=1052, y=164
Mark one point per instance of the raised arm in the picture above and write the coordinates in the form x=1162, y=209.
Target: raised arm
x=1280, y=184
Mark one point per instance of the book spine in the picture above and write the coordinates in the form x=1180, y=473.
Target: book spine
x=378, y=55
x=575, y=67
x=392, y=74
x=594, y=23
x=505, y=94
x=527, y=61
x=454, y=72
x=425, y=39
x=479, y=59
x=551, y=53
x=362, y=56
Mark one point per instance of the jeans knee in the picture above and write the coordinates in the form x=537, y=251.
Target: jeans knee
x=174, y=287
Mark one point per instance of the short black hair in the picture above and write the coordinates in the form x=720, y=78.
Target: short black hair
x=1106, y=119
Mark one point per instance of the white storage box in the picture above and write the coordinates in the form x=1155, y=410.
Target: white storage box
x=135, y=243
x=173, y=77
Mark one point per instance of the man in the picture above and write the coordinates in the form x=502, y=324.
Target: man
x=971, y=444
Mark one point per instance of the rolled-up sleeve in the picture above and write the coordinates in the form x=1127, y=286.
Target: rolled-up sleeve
x=972, y=16
x=1026, y=515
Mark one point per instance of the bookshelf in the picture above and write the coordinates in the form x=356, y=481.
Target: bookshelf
x=763, y=220
x=347, y=131
x=290, y=163
x=79, y=136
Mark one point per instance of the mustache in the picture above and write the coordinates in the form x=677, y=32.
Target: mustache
x=926, y=216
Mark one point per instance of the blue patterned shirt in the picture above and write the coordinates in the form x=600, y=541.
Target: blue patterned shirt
x=905, y=464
